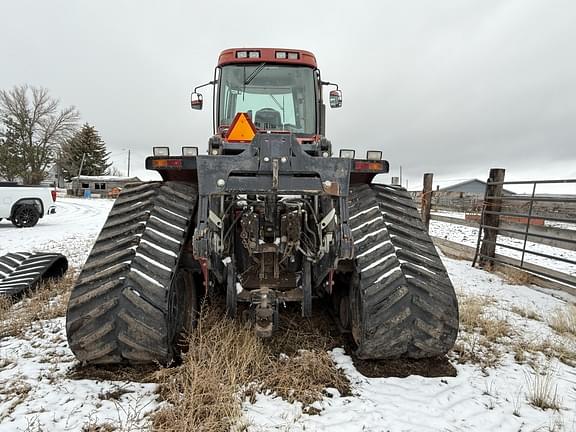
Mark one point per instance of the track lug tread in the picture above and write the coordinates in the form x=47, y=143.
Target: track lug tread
x=116, y=315
x=403, y=310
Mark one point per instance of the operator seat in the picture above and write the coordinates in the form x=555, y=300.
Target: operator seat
x=268, y=118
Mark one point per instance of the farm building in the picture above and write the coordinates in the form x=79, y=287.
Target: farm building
x=463, y=196
x=98, y=186
x=468, y=188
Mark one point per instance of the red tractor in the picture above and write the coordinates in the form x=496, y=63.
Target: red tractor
x=269, y=216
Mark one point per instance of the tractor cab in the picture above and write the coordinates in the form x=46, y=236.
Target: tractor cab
x=277, y=90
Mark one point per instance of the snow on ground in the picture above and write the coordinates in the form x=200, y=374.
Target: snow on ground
x=36, y=392
x=71, y=231
x=452, y=214
x=474, y=400
x=469, y=236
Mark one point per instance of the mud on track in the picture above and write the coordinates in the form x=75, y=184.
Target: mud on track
x=295, y=333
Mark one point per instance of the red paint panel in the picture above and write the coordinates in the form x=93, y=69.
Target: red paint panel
x=268, y=55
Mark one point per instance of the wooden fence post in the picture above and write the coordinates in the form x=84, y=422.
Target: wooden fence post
x=493, y=203
x=426, y=204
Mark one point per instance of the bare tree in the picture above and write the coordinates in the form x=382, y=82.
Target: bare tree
x=115, y=171
x=40, y=127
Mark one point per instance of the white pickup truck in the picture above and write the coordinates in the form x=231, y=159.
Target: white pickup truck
x=25, y=205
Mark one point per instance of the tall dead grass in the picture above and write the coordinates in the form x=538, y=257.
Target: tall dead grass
x=202, y=392
x=542, y=392
x=48, y=300
x=563, y=321
x=515, y=276
x=474, y=316
x=482, y=331
x=227, y=363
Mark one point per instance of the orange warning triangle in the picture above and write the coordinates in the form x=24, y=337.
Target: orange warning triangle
x=242, y=129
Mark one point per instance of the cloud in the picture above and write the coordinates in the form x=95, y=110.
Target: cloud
x=451, y=87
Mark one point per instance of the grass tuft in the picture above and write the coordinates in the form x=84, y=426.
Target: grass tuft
x=48, y=300
x=480, y=332
x=526, y=312
x=541, y=391
x=227, y=363
x=563, y=321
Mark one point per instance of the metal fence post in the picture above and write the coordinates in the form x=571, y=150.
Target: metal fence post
x=490, y=221
x=426, y=204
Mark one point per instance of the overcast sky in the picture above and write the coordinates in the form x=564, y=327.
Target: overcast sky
x=452, y=87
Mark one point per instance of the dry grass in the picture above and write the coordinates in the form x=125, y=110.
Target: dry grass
x=304, y=377
x=202, y=391
x=475, y=317
x=47, y=301
x=526, y=312
x=227, y=363
x=94, y=427
x=541, y=390
x=563, y=320
x=528, y=351
x=481, y=332
x=514, y=276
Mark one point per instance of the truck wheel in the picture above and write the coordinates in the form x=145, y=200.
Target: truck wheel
x=402, y=302
x=25, y=216
x=132, y=302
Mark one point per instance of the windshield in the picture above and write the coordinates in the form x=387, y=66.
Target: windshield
x=275, y=97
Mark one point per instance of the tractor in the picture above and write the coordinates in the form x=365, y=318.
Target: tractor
x=269, y=216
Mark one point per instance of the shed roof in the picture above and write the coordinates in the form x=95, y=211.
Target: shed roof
x=456, y=187
x=121, y=179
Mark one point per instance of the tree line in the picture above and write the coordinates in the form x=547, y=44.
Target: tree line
x=36, y=134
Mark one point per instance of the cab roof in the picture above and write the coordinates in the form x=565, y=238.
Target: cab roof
x=267, y=55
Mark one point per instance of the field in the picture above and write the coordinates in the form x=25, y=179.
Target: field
x=513, y=367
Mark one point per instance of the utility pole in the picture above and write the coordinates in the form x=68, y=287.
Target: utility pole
x=80, y=171
x=400, y=175
x=81, y=165
x=59, y=170
x=128, y=163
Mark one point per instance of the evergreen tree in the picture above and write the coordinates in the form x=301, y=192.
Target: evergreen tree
x=86, y=142
x=12, y=163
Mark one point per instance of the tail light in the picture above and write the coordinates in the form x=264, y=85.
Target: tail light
x=53, y=192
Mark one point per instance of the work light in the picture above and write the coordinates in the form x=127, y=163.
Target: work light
x=347, y=154
x=161, y=151
x=189, y=151
x=373, y=155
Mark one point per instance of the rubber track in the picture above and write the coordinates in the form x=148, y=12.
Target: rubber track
x=403, y=303
x=21, y=271
x=118, y=310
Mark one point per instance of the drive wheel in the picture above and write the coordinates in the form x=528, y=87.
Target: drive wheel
x=25, y=216
x=184, y=307
x=231, y=293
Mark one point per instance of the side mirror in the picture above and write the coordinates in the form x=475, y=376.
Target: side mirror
x=196, y=101
x=335, y=98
